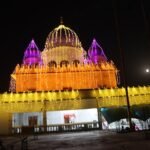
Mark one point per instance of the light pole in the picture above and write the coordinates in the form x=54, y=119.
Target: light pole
x=44, y=109
x=123, y=67
x=99, y=114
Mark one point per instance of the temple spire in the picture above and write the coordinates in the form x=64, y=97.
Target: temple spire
x=96, y=53
x=61, y=21
x=32, y=54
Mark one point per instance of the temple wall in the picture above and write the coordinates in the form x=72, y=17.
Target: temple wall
x=22, y=119
x=39, y=106
x=63, y=53
x=73, y=99
x=65, y=80
x=53, y=102
x=109, y=79
x=5, y=123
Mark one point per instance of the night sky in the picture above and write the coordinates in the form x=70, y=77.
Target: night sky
x=22, y=21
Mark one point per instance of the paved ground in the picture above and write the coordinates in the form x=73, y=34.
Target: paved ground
x=90, y=140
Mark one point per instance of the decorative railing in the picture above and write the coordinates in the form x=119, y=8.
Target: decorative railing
x=55, y=128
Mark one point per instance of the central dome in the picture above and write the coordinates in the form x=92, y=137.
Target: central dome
x=62, y=36
x=63, y=44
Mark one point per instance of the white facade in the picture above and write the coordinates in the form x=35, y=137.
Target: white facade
x=55, y=117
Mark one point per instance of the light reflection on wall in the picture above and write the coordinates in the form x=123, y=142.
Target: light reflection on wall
x=45, y=78
x=105, y=97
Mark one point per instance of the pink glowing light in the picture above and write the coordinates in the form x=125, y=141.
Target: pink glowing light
x=96, y=53
x=32, y=54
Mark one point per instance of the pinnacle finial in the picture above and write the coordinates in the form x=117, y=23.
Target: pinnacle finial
x=32, y=41
x=61, y=20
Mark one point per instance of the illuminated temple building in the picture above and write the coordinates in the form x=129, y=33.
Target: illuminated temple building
x=65, y=87
x=63, y=64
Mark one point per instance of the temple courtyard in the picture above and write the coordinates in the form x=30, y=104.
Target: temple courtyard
x=86, y=140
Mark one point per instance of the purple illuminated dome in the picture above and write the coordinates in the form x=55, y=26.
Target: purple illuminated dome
x=96, y=53
x=32, y=55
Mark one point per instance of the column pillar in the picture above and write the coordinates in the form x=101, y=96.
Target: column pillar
x=5, y=123
x=99, y=116
x=44, y=116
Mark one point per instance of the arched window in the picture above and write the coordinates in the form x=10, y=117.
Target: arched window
x=64, y=63
x=52, y=64
x=76, y=62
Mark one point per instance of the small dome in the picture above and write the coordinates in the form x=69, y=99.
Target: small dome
x=62, y=36
x=32, y=54
x=96, y=53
